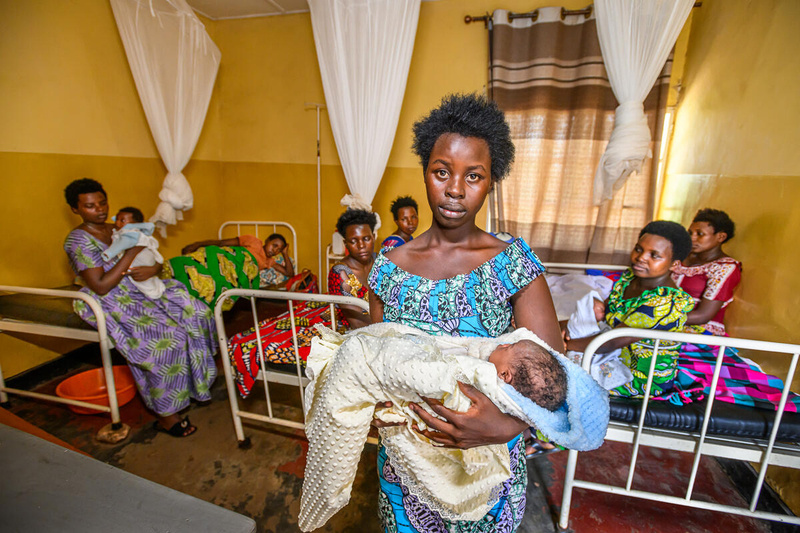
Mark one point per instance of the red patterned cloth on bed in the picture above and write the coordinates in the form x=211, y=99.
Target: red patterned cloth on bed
x=276, y=340
x=740, y=382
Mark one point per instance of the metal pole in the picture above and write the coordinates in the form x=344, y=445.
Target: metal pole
x=317, y=107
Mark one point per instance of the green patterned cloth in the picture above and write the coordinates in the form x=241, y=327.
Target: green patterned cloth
x=210, y=270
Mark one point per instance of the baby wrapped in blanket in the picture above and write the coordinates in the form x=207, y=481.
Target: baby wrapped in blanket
x=587, y=320
x=350, y=374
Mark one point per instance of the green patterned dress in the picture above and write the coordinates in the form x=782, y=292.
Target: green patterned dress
x=662, y=308
x=169, y=342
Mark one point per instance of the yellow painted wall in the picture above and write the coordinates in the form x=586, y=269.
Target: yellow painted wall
x=735, y=148
x=70, y=109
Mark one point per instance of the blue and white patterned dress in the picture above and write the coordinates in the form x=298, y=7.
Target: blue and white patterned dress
x=475, y=304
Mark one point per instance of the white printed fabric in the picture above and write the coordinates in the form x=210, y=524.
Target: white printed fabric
x=349, y=375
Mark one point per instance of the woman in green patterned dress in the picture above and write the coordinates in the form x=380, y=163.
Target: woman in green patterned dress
x=646, y=297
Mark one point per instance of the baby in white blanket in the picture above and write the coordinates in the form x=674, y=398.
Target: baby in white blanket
x=391, y=362
x=131, y=230
x=588, y=320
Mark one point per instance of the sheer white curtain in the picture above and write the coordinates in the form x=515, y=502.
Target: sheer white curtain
x=636, y=37
x=174, y=64
x=364, y=51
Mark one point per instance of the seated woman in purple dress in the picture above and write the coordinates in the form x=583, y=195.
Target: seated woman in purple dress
x=404, y=211
x=169, y=342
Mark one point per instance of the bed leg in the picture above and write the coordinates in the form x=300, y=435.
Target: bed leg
x=566, y=500
x=3, y=395
x=245, y=444
x=113, y=433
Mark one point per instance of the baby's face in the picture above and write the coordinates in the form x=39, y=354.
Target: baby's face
x=123, y=218
x=502, y=358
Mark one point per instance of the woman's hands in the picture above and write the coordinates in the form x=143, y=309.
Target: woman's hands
x=102, y=282
x=483, y=423
x=143, y=273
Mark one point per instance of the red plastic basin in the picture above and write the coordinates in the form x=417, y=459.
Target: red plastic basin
x=90, y=386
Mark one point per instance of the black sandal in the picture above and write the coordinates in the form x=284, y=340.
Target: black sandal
x=181, y=429
x=538, y=449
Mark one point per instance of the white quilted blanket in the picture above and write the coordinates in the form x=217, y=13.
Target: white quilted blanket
x=350, y=374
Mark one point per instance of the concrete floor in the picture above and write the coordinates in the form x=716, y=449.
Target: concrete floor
x=264, y=482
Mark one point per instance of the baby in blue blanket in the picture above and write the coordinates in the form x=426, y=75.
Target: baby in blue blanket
x=131, y=230
x=391, y=362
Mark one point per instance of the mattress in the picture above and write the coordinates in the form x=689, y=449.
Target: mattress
x=50, y=310
x=727, y=419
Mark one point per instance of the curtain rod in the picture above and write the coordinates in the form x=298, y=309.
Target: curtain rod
x=533, y=15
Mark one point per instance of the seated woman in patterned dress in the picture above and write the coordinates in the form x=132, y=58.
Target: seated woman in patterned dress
x=169, y=342
x=404, y=211
x=456, y=279
x=709, y=275
x=645, y=297
x=348, y=277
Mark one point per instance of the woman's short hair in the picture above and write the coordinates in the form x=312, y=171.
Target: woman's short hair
x=353, y=217
x=400, y=202
x=468, y=115
x=674, y=233
x=82, y=186
x=137, y=214
x=719, y=220
x=276, y=236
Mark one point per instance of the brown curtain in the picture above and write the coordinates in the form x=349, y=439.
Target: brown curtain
x=549, y=78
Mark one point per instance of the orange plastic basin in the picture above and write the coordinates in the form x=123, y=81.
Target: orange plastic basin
x=90, y=386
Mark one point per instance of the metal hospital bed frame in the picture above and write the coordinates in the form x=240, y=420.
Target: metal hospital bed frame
x=700, y=443
x=100, y=335
x=256, y=224
x=266, y=375
x=765, y=452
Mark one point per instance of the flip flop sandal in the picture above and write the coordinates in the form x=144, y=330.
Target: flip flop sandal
x=539, y=450
x=178, y=429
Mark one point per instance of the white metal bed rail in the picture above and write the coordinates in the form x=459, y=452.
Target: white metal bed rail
x=259, y=223
x=265, y=374
x=100, y=336
x=583, y=266
x=755, y=450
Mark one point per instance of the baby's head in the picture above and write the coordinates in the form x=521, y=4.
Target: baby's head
x=532, y=371
x=599, y=308
x=128, y=215
x=274, y=244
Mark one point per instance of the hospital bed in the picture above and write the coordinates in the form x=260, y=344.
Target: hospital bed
x=707, y=428
x=48, y=312
x=292, y=375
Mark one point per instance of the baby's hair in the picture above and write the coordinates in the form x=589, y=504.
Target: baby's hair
x=538, y=375
x=355, y=217
x=674, y=233
x=467, y=115
x=277, y=236
x=719, y=220
x=82, y=186
x=138, y=216
x=400, y=202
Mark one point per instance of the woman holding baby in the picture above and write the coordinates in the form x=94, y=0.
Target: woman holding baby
x=456, y=279
x=169, y=342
